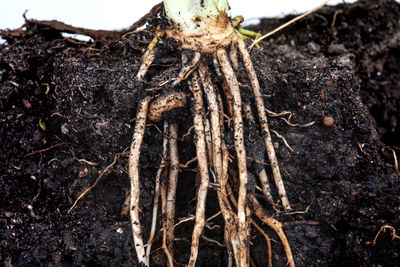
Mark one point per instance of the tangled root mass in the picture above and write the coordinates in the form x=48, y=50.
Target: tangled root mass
x=218, y=112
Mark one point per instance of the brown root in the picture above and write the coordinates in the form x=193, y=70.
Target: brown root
x=275, y=225
x=267, y=239
x=383, y=230
x=166, y=102
x=95, y=182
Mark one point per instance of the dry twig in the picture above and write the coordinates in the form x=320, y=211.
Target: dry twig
x=383, y=229
x=258, y=40
x=87, y=190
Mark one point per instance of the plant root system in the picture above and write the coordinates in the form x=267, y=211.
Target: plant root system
x=68, y=110
x=211, y=151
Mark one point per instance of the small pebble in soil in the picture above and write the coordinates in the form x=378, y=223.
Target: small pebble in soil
x=328, y=121
x=64, y=128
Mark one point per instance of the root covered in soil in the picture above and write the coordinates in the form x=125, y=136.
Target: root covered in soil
x=209, y=129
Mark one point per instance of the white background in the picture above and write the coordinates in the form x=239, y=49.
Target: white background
x=119, y=14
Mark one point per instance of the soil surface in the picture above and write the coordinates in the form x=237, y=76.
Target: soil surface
x=67, y=111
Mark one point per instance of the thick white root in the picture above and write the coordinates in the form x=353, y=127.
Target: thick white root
x=201, y=151
x=173, y=183
x=264, y=123
x=134, y=179
x=233, y=85
x=220, y=163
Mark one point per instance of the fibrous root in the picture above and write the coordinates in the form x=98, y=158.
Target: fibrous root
x=212, y=154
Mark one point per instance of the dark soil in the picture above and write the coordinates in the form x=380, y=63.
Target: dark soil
x=65, y=105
